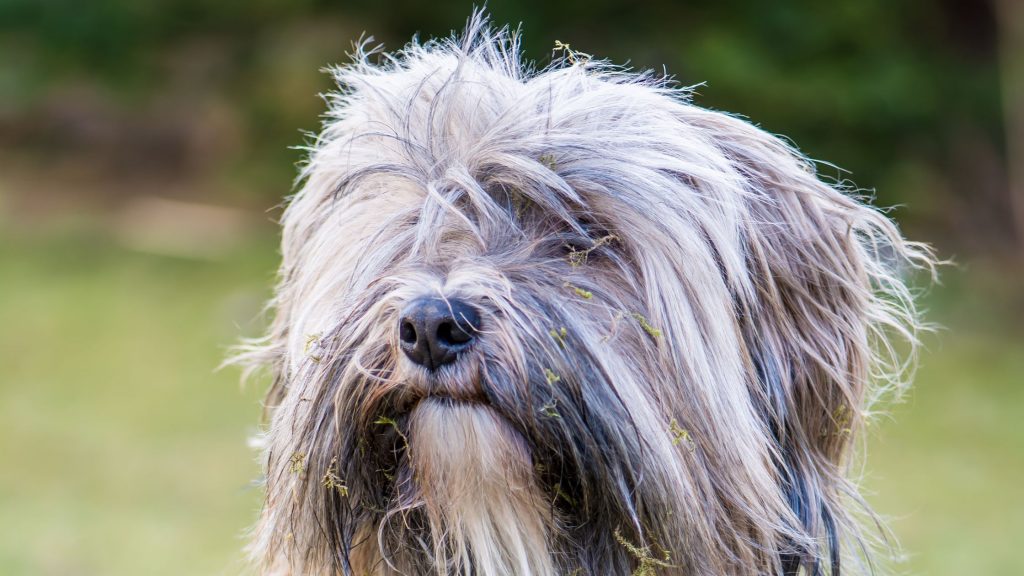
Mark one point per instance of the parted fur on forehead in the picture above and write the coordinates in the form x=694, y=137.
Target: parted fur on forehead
x=440, y=126
x=458, y=150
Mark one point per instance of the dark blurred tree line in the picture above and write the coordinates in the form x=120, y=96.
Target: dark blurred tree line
x=921, y=101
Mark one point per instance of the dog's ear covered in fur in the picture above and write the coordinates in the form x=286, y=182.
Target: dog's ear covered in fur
x=692, y=381
x=822, y=309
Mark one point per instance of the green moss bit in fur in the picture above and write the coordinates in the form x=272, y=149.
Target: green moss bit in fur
x=312, y=341
x=680, y=434
x=654, y=332
x=585, y=294
x=298, y=462
x=519, y=204
x=842, y=417
x=331, y=481
x=573, y=56
x=551, y=377
x=549, y=161
x=559, y=493
x=385, y=421
x=559, y=335
x=578, y=258
x=648, y=563
x=550, y=409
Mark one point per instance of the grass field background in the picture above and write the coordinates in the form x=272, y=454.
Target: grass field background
x=124, y=450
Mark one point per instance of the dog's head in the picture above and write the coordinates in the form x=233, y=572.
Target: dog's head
x=538, y=323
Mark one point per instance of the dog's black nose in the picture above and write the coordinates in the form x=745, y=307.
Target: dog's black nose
x=434, y=331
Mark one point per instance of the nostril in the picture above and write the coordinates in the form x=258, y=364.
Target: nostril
x=444, y=333
x=452, y=334
x=407, y=332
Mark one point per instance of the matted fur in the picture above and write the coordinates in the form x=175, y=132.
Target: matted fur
x=682, y=329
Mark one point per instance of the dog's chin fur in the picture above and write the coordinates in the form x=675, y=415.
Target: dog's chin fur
x=682, y=331
x=479, y=491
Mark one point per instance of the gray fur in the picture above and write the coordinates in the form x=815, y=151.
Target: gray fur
x=683, y=331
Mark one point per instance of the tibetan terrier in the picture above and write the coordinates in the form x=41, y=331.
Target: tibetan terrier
x=564, y=321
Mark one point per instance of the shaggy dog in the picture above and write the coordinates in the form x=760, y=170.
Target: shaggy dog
x=567, y=322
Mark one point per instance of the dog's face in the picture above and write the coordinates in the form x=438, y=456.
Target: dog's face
x=566, y=323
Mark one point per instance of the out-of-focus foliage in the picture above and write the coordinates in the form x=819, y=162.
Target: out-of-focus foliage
x=903, y=96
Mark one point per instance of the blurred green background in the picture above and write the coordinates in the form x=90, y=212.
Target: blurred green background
x=144, y=153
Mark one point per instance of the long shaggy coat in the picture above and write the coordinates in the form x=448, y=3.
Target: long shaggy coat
x=682, y=331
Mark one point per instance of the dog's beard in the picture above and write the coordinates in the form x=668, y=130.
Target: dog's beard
x=475, y=478
x=452, y=480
